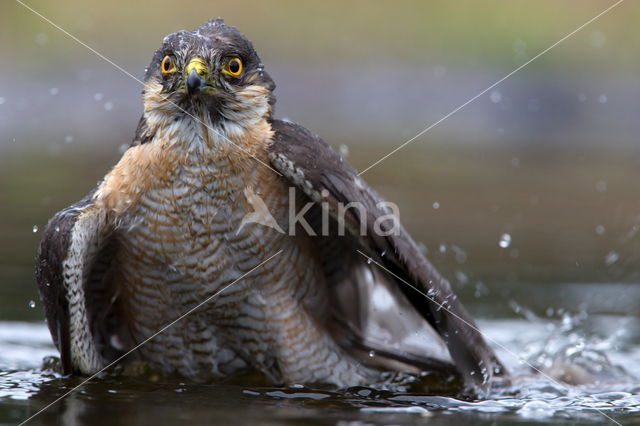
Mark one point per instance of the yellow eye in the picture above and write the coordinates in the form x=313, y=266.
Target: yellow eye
x=233, y=67
x=167, y=65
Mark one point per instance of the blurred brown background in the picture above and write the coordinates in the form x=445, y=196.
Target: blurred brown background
x=532, y=185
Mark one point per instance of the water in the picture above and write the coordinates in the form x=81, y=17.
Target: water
x=603, y=347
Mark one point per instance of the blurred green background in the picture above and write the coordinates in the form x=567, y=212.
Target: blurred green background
x=533, y=184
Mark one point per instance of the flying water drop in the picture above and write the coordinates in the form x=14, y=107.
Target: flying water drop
x=611, y=258
x=495, y=96
x=505, y=241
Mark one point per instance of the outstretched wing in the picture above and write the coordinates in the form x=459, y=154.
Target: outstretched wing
x=73, y=270
x=317, y=170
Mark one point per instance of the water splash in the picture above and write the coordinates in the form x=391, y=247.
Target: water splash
x=526, y=395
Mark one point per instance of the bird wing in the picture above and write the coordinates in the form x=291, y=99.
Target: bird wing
x=75, y=281
x=318, y=171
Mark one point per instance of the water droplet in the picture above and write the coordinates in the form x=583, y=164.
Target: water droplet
x=34, y=229
x=372, y=354
x=611, y=258
x=480, y=290
x=505, y=241
x=443, y=248
x=54, y=91
x=68, y=139
x=108, y=106
x=600, y=230
x=603, y=99
x=32, y=304
x=461, y=256
x=369, y=261
x=344, y=150
x=436, y=205
x=2, y=100
x=461, y=277
x=495, y=96
x=57, y=229
x=97, y=96
x=485, y=375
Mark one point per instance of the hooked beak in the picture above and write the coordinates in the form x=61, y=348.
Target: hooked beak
x=196, y=71
x=195, y=83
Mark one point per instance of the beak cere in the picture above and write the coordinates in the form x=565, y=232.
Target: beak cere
x=195, y=83
x=196, y=70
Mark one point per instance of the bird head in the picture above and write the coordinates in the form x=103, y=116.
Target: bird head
x=212, y=74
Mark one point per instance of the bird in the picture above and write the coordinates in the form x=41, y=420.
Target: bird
x=200, y=205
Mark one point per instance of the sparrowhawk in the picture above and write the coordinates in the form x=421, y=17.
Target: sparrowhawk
x=164, y=230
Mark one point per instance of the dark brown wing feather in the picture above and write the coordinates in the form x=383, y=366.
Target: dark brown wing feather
x=314, y=166
x=143, y=133
x=52, y=251
x=55, y=288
